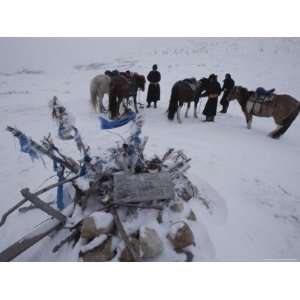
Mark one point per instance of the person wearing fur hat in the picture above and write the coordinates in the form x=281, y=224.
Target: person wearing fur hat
x=228, y=84
x=213, y=91
x=153, y=94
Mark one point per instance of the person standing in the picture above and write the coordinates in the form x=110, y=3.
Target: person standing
x=153, y=94
x=228, y=85
x=213, y=91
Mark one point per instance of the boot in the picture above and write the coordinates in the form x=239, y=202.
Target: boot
x=149, y=105
x=210, y=119
x=224, y=108
x=155, y=105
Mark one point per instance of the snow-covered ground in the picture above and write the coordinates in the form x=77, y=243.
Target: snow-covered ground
x=251, y=179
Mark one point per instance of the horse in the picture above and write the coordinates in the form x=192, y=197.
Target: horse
x=122, y=87
x=185, y=91
x=98, y=88
x=283, y=108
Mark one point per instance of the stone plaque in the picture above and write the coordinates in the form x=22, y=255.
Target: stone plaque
x=143, y=187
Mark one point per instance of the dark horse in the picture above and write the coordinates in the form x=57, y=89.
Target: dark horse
x=283, y=108
x=185, y=91
x=122, y=87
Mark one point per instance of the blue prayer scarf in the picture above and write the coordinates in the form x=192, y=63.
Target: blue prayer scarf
x=110, y=124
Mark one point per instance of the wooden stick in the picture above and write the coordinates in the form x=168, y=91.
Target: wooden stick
x=29, y=240
x=68, y=239
x=124, y=235
x=43, y=205
x=25, y=209
x=43, y=190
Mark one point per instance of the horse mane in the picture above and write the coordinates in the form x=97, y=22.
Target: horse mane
x=138, y=76
x=203, y=82
x=243, y=92
x=245, y=95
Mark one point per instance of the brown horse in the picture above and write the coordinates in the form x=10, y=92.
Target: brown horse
x=185, y=91
x=122, y=87
x=283, y=108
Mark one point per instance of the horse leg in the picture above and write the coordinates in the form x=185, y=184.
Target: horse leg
x=187, y=109
x=195, y=109
x=286, y=123
x=120, y=100
x=178, y=113
x=135, y=104
x=125, y=105
x=276, y=133
x=249, y=121
x=112, y=105
x=100, y=102
x=249, y=118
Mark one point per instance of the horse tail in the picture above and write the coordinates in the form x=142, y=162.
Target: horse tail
x=287, y=122
x=93, y=94
x=173, y=104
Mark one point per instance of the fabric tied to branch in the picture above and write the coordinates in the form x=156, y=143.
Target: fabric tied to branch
x=110, y=124
x=25, y=145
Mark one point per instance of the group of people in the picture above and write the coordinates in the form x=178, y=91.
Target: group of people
x=213, y=91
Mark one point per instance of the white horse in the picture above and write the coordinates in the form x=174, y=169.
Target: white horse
x=98, y=87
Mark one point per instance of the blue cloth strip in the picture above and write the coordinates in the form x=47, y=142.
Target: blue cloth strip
x=110, y=124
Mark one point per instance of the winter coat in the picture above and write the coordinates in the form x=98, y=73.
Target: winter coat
x=153, y=94
x=154, y=77
x=213, y=91
x=228, y=84
x=213, y=88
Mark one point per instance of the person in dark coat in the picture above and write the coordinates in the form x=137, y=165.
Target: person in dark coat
x=228, y=85
x=213, y=91
x=153, y=94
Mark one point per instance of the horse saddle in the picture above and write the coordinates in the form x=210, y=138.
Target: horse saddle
x=256, y=101
x=262, y=95
x=191, y=82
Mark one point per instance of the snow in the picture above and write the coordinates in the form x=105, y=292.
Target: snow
x=102, y=219
x=251, y=182
x=97, y=241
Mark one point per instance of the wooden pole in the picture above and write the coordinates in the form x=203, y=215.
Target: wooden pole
x=124, y=235
x=29, y=240
x=48, y=209
x=43, y=190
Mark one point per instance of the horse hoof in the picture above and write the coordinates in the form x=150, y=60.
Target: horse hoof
x=276, y=137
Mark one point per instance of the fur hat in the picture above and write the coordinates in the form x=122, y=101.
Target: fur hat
x=154, y=67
